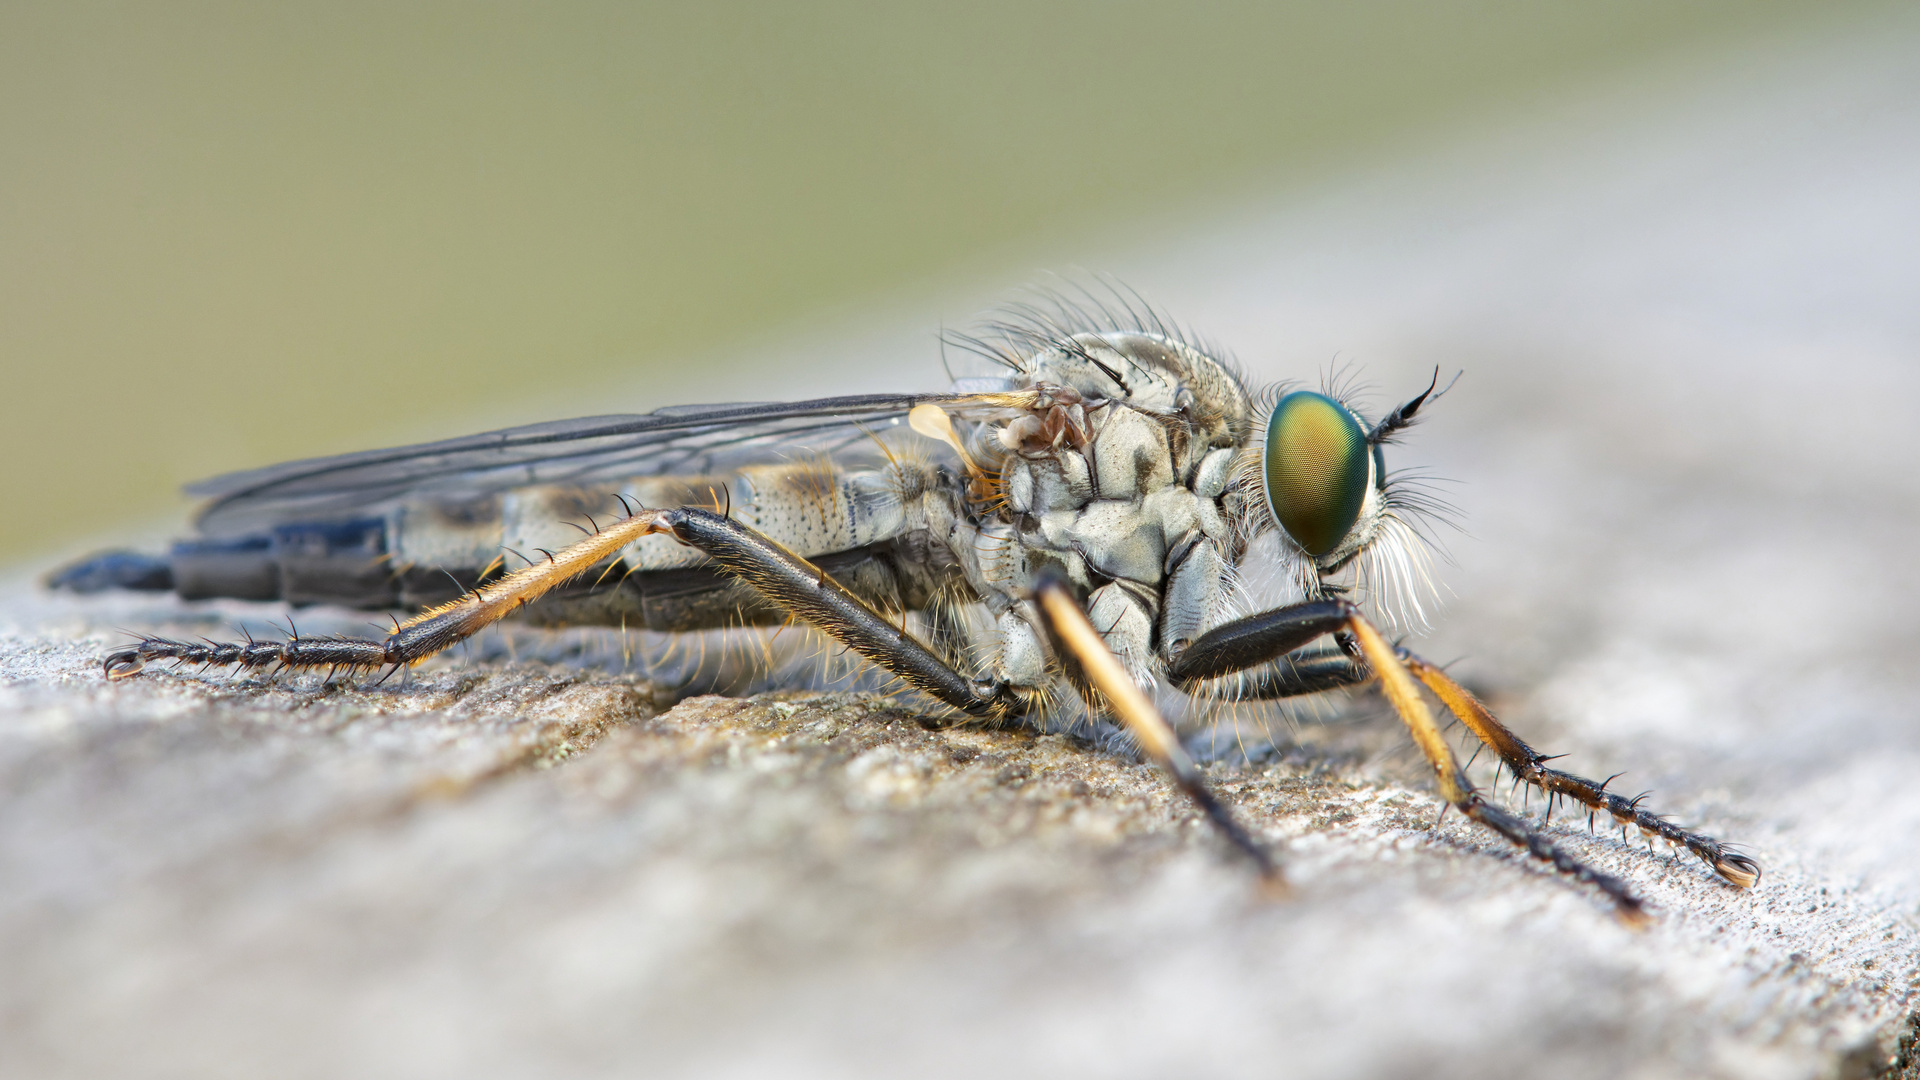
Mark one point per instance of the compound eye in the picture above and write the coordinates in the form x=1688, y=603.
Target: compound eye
x=1317, y=468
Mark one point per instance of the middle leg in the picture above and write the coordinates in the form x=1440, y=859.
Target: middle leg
x=1098, y=674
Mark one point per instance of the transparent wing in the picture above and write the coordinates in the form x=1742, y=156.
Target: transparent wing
x=687, y=439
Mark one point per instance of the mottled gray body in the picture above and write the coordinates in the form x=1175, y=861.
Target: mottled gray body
x=1122, y=476
x=1109, y=451
x=1084, y=517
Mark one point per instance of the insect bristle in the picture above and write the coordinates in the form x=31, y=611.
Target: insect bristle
x=1415, y=495
x=1395, y=573
x=1343, y=383
x=1050, y=317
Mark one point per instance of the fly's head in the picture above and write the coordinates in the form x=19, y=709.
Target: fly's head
x=1323, y=478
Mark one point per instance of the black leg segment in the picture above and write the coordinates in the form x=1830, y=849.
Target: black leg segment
x=1256, y=639
x=1296, y=676
x=1529, y=765
x=786, y=580
x=799, y=586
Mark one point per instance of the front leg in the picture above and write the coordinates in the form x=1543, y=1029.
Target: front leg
x=1270, y=636
x=1258, y=639
x=1530, y=766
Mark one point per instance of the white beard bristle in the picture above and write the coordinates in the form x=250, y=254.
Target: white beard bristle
x=1394, y=575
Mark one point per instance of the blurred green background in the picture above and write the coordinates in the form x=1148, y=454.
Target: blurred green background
x=234, y=234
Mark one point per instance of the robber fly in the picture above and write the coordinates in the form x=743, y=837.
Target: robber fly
x=1068, y=534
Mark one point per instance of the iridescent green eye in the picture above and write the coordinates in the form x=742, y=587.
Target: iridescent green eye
x=1317, y=468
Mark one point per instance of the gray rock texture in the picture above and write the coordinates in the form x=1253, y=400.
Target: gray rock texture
x=1685, y=441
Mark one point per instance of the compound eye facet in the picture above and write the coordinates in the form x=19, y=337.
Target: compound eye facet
x=1317, y=469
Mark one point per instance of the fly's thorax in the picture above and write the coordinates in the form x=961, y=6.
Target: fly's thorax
x=1203, y=402
x=1114, y=508
x=1116, y=474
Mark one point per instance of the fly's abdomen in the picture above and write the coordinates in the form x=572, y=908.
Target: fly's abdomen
x=340, y=562
x=428, y=551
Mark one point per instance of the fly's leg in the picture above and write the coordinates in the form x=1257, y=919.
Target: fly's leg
x=1330, y=671
x=791, y=582
x=1530, y=766
x=1459, y=791
x=813, y=596
x=1079, y=645
x=1270, y=635
x=1297, y=676
x=412, y=641
x=1256, y=639
x=333, y=653
x=1251, y=642
x=1267, y=635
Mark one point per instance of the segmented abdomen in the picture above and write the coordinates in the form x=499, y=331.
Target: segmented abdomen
x=427, y=552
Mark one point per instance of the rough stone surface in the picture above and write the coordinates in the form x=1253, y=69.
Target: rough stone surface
x=1687, y=431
